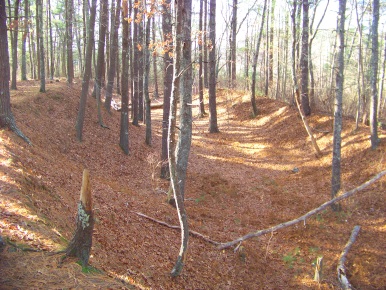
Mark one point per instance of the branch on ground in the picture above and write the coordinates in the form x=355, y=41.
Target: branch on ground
x=305, y=216
x=193, y=233
x=341, y=269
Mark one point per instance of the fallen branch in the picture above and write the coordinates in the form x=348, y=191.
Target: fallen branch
x=341, y=269
x=305, y=216
x=193, y=233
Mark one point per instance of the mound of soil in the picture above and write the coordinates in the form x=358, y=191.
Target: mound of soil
x=255, y=173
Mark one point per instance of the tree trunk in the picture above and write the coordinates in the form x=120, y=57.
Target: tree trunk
x=69, y=38
x=140, y=71
x=254, y=63
x=52, y=66
x=135, y=105
x=304, y=60
x=337, y=139
x=24, y=42
x=15, y=34
x=80, y=245
x=146, y=82
x=381, y=98
x=233, y=44
x=213, y=128
x=124, y=133
x=101, y=57
x=182, y=64
x=7, y=119
x=361, y=76
x=87, y=74
x=374, y=77
x=206, y=71
x=155, y=70
x=270, y=51
x=167, y=85
x=42, y=71
x=113, y=57
x=200, y=63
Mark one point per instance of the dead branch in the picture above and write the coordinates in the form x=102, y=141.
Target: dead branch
x=305, y=216
x=307, y=126
x=193, y=233
x=341, y=269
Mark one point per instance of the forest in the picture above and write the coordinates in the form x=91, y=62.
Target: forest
x=192, y=144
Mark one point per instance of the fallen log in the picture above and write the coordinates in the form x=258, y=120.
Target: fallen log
x=341, y=269
x=305, y=216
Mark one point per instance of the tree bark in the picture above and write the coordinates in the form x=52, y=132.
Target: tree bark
x=254, y=63
x=233, y=44
x=99, y=74
x=213, y=127
x=7, y=119
x=206, y=70
x=69, y=40
x=155, y=70
x=113, y=57
x=146, y=72
x=80, y=245
x=52, y=64
x=374, y=77
x=167, y=85
x=304, y=60
x=87, y=74
x=24, y=42
x=124, y=133
x=337, y=139
x=200, y=63
x=15, y=34
x=135, y=104
x=42, y=72
x=178, y=164
x=341, y=269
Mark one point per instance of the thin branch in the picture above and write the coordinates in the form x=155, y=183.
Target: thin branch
x=341, y=269
x=305, y=216
x=193, y=233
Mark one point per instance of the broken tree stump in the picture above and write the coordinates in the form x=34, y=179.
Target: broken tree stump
x=318, y=269
x=80, y=245
x=342, y=277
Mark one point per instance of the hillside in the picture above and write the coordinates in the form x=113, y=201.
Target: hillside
x=239, y=180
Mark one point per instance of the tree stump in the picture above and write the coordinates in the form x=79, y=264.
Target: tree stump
x=81, y=242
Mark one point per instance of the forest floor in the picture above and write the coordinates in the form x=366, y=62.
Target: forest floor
x=255, y=173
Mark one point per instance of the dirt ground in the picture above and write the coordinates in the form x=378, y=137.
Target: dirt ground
x=255, y=173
